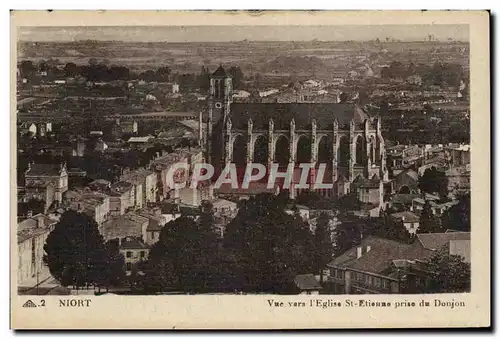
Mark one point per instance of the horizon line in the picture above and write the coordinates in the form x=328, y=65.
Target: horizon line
x=244, y=40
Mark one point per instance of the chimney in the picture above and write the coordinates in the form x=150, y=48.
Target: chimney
x=39, y=222
x=29, y=214
x=359, y=252
x=403, y=218
x=368, y=248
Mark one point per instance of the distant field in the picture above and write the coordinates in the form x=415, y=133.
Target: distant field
x=250, y=56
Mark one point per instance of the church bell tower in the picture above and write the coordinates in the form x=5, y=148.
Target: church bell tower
x=219, y=103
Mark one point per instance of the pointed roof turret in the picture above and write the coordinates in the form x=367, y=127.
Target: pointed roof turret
x=220, y=72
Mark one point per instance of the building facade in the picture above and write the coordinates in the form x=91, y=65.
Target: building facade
x=341, y=136
x=49, y=173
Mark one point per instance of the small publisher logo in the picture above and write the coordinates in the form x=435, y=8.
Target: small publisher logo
x=29, y=304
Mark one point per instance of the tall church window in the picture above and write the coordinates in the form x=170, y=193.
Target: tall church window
x=343, y=152
x=360, y=151
x=282, y=151
x=373, y=150
x=325, y=155
x=303, y=150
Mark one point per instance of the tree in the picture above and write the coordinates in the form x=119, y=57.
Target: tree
x=75, y=252
x=71, y=69
x=346, y=203
x=346, y=235
x=112, y=273
x=449, y=273
x=163, y=73
x=267, y=246
x=185, y=256
x=237, y=74
x=323, y=243
x=434, y=181
x=428, y=223
x=343, y=97
x=457, y=217
x=27, y=69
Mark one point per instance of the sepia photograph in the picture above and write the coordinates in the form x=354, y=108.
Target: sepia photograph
x=319, y=162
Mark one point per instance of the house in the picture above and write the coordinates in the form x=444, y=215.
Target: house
x=53, y=173
x=32, y=234
x=100, y=185
x=410, y=220
x=170, y=210
x=40, y=190
x=404, y=201
x=95, y=204
x=121, y=197
x=383, y=266
x=307, y=284
x=457, y=243
x=79, y=149
x=129, y=127
x=406, y=182
x=122, y=226
x=140, y=140
x=146, y=185
x=223, y=207
x=368, y=191
x=459, y=155
x=458, y=178
x=135, y=252
x=437, y=208
x=301, y=210
x=368, y=267
x=156, y=223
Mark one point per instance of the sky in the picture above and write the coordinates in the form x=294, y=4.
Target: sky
x=238, y=33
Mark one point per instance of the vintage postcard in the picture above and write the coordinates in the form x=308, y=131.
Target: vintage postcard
x=250, y=170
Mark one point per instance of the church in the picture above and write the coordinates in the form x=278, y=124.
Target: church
x=340, y=135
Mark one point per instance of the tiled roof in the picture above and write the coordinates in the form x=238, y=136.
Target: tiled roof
x=436, y=241
x=303, y=114
x=409, y=172
x=44, y=170
x=306, y=282
x=380, y=256
x=129, y=224
x=29, y=228
x=121, y=186
x=132, y=243
x=402, y=198
x=364, y=182
x=37, y=183
x=406, y=216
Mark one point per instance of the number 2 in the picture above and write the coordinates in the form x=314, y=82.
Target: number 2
x=43, y=303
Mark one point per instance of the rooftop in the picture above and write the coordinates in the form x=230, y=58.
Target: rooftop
x=132, y=243
x=45, y=169
x=436, y=241
x=129, y=224
x=303, y=114
x=406, y=216
x=307, y=282
x=382, y=252
x=220, y=72
x=30, y=227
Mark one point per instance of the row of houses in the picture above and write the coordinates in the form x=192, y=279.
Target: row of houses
x=383, y=266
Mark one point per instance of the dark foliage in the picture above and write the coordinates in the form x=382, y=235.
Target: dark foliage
x=76, y=254
x=458, y=216
x=267, y=247
x=434, y=181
